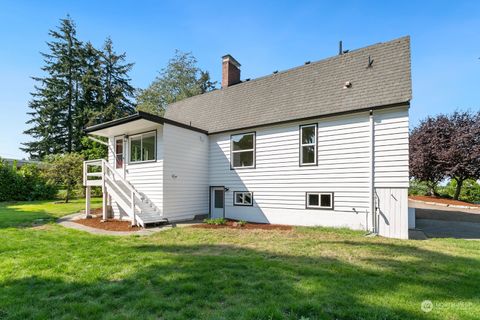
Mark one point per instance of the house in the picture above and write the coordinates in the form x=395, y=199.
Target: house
x=322, y=144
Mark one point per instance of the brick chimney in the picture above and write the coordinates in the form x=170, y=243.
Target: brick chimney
x=230, y=71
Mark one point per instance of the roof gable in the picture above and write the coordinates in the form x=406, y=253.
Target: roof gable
x=316, y=89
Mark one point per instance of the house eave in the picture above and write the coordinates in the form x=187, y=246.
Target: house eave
x=141, y=117
x=328, y=115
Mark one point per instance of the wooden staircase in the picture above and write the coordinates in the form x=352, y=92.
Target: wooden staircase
x=137, y=206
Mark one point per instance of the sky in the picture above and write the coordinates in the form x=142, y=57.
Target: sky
x=262, y=35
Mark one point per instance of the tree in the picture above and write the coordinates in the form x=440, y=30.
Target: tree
x=93, y=150
x=55, y=97
x=182, y=78
x=446, y=147
x=65, y=170
x=460, y=150
x=424, y=162
x=82, y=86
x=116, y=83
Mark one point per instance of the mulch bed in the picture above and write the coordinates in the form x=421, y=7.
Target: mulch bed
x=443, y=201
x=110, y=224
x=249, y=225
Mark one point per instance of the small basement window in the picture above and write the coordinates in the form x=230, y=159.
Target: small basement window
x=143, y=147
x=319, y=200
x=308, y=145
x=242, y=148
x=242, y=198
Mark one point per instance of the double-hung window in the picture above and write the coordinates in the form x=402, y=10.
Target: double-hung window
x=242, y=148
x=242, y=198
x=308, y=145
x=319, y=200
x=143, y=147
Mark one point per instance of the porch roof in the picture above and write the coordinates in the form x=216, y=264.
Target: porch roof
x=133, y=123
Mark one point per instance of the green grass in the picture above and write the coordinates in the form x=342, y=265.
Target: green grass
x=49, y=272
x=15, y=214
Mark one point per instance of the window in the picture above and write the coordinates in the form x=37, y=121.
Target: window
x=308, y=145
x=218, y=199
x=242, y=198
x=142, y=147
x=242, y=150
x=320, y=200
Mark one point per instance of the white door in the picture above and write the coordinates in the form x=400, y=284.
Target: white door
x=119, y=154
x=217, y=202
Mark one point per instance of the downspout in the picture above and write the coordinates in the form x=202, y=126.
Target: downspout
x=373, y=227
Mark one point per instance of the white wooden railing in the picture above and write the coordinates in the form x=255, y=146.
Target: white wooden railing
x=108, y=175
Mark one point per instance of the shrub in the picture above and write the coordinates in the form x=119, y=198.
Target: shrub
x=470, y=190
x=216, y=221
x=27, y=183
x=241, y=223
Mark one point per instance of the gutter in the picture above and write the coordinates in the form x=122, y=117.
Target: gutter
x=372, y=209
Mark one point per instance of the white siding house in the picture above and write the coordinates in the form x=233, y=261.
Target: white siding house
x=324, y=144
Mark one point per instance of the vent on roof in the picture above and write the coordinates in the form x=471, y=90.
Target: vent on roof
x=275, y=72
x=307, y=62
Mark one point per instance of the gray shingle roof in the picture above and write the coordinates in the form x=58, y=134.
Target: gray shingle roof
x=316, y=89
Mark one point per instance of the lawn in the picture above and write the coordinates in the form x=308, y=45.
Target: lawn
x=47, y=271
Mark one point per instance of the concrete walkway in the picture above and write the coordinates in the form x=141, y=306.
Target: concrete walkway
x=68, y=222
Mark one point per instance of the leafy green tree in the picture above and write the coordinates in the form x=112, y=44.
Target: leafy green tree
x=182, y=78
x=65, y=170
x=93, y=150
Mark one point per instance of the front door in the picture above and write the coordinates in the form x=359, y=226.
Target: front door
x=217, y=202
x=119, y=153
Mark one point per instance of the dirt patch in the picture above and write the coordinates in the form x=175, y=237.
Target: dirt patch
x=443, y=201
x=110, y=224
x=249, y=225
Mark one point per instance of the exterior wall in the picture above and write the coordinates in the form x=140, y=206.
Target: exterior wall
x=391, y=172
x=279, y=184
x=147, y=178
x=186, y=191
x=344, y=167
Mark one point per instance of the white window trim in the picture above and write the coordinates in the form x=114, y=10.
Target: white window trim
x=235, y=203
x=246, y=150
x=141, y=146
x=313, y=144
x=308, y=206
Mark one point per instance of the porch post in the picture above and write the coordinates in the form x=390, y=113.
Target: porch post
x=104, y=193
x=87, y=202
x=104, y=205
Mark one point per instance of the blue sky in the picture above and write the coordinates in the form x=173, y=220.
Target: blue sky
x=264, y=37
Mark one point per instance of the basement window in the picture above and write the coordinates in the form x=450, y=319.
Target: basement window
x=143, y=147
x=242, y=148
x=319, y=200
x=242, y=198
x=308, y=145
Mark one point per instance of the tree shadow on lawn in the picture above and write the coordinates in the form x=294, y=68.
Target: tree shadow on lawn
x=228, y=282
x=11, y=217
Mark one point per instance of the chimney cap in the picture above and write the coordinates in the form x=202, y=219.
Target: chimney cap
x=231, y=59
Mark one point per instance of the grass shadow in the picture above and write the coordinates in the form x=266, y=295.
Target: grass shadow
x=223, y=281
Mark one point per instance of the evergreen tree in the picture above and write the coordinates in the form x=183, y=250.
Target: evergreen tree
x=82, y=86
x=118, y=92
x=92, y=101
x=56, y=95
x=182, y=78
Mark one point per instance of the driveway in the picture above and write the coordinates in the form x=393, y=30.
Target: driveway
x=446, y=222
